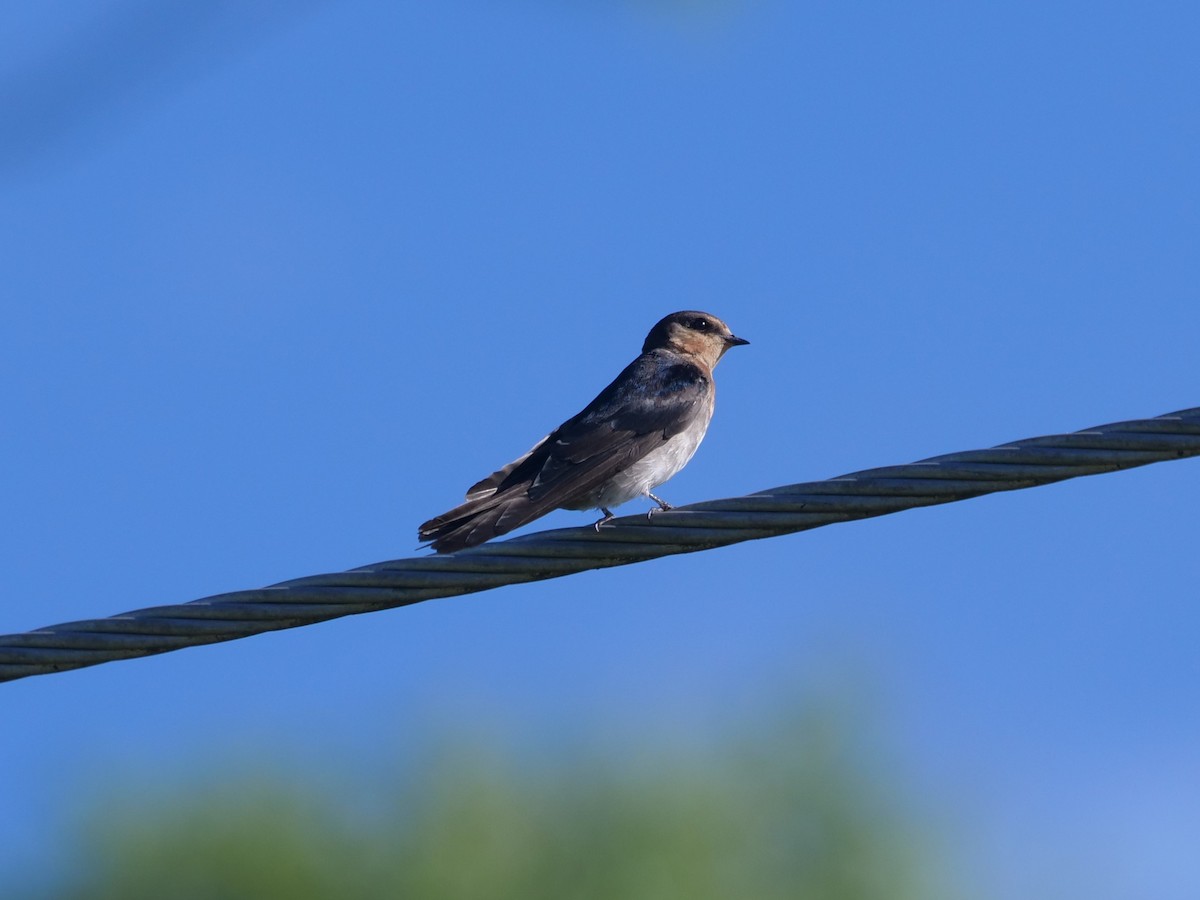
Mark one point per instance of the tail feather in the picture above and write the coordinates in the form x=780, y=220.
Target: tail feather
x=477, y=521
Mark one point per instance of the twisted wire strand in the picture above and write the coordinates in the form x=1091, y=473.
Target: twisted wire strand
x=628, y=539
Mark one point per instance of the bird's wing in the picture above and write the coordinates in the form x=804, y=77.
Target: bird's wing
x=652, y=400
x=487, y=486
x=648, y=403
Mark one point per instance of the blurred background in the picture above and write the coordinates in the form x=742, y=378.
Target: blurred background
x=281, y=280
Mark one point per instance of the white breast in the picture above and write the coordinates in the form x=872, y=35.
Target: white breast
x=655, y=467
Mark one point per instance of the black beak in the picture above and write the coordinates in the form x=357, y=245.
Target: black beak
x=734, y=341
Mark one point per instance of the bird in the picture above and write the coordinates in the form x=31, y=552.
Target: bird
x=637, y=433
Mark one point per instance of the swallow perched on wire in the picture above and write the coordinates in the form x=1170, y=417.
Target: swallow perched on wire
x=640, y=430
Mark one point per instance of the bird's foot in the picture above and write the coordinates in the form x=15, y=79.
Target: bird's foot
x=662, y=505
x=607, y=515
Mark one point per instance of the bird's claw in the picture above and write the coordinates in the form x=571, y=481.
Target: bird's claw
x=663, y=505
x=607, y=515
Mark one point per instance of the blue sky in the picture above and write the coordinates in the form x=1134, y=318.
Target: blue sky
x=279, y=286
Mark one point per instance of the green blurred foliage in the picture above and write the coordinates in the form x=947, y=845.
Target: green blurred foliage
x=796, y=810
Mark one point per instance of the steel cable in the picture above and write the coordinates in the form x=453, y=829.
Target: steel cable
x=624, y=540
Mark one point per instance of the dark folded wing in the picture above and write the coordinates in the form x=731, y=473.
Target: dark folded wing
x=653, y=399
x=650, y=402
x=487, y=486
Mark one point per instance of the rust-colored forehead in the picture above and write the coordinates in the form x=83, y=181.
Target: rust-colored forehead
x=679, y=330
x=687, y=317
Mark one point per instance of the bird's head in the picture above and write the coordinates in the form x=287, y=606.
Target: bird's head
x=692, y=333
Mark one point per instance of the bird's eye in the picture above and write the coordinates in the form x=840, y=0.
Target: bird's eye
x=701, y=325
